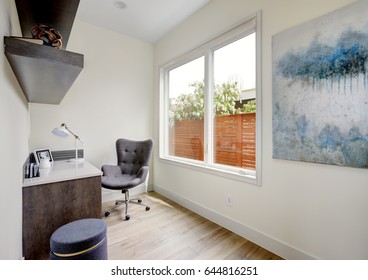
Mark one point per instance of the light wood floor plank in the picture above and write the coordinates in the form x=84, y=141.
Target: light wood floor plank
x=170, y=231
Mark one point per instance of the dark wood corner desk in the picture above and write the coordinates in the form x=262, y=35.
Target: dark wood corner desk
x=70, y=191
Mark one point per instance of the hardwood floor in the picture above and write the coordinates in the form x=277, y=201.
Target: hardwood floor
x=170, y=231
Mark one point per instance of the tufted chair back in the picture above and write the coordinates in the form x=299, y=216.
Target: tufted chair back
x=132, y=155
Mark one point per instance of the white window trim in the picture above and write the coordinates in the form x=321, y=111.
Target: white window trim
x=250, y=25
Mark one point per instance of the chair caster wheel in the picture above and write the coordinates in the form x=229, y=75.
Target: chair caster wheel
x=107, y=214
x=148, y=208
x=139, y=200
x=127, y=217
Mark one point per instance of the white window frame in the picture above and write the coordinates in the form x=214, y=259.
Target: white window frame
x=250, y=25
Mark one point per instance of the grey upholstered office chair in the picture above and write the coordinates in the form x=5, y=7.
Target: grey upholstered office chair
x=131, y=170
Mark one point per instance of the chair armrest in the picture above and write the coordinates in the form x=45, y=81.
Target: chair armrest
x=110, y=170
x=143, y=172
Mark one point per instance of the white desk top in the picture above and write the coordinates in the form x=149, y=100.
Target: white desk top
x=64, y=171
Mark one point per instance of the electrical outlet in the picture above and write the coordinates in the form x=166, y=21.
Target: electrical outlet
x=229, y=200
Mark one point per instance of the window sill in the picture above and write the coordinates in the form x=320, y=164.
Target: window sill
x=248, y=176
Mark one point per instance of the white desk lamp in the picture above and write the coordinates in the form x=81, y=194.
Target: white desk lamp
x=64, y=131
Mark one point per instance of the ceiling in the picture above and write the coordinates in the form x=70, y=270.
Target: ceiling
x=146, y=20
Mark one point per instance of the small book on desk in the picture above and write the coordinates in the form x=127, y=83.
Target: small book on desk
x=31, y=170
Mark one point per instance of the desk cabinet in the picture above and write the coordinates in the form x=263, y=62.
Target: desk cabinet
x=48, y=206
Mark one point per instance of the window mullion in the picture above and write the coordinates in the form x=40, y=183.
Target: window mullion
x=209, y=108
x=164, y=114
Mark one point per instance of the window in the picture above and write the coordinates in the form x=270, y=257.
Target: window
x=210, y=105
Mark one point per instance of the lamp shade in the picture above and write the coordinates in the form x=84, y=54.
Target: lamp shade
x=61, y=131
x=64, y=131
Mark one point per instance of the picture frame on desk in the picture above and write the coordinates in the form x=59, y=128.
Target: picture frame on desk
x=43, y=154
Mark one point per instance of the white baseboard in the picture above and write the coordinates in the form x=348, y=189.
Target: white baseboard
x=277, y=247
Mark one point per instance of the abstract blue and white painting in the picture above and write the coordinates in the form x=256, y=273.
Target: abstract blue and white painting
x=320, y=89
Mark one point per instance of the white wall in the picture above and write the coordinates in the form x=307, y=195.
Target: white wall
x=302, y=210
x=111, y=98
x=14, y=123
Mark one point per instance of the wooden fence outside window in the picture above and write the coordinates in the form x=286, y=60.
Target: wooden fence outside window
x=235, y=140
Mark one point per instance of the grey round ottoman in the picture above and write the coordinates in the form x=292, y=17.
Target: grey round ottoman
x=79, y=240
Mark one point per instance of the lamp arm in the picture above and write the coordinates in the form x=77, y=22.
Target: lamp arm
x=76, y=136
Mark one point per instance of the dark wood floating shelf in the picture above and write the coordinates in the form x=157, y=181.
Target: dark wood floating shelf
x=44, y=73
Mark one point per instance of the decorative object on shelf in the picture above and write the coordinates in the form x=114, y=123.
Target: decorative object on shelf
x=64, y=131
x=48, y=34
